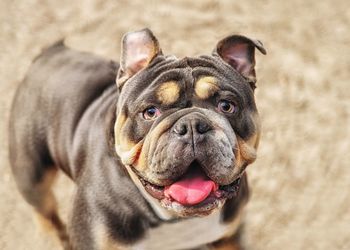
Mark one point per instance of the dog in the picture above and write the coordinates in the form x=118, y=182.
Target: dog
x=157, y=146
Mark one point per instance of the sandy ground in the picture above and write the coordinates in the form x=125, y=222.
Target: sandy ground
x=301, y=180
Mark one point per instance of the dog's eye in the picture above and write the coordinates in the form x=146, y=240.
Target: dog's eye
x=150, y=113
x=226, y=106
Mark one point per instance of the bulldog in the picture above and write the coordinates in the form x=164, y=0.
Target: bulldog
x=157, y=146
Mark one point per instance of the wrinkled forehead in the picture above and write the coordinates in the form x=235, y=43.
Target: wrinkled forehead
x=168, y=78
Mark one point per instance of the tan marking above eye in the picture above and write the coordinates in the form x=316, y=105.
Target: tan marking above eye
x=206, y=87
x=168, y=92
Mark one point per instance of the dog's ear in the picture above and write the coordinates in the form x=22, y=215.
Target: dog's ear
x=139, y=48
x=239, y=52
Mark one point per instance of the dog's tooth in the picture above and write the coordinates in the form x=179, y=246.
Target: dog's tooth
x=218, y=193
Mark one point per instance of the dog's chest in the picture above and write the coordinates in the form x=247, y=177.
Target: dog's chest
x=188, y=233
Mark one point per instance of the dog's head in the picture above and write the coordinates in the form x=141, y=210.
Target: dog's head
x=187, y=128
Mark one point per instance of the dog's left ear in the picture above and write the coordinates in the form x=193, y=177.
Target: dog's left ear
x=139, y=48
x=239, y=52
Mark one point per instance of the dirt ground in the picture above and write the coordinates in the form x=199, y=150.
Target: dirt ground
x=301, y=180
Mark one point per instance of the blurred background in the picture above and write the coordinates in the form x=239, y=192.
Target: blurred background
x=301, y=180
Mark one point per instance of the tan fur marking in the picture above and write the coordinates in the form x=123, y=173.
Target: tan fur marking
x=48, y=203
x=226, y=245
x=47, y=213
x=141, y=162
x=168, y=93
x=126, y=149
x=120, y=121
x=246, y=152
x=255, y=139
x=248, y=148
x=103, y=240
x=206, y=87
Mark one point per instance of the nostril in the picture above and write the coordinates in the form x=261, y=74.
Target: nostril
x=202, y=127
x=180, y=129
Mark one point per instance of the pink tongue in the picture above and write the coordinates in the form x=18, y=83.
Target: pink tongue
x=191, y=189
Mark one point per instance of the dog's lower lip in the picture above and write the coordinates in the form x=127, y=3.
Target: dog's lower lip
x=154, y=190
x=233, y=187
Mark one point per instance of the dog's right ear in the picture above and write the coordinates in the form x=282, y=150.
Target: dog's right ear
x=139, y=48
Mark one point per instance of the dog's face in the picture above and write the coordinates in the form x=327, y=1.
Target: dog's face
x=187, y=128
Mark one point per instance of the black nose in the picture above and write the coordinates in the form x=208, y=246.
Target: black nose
x=201, y=126
x=186, y=126
x=180, y=128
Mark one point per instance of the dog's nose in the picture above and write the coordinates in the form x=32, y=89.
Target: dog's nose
x=181, y=128
x=201, y=126
x=191, y=126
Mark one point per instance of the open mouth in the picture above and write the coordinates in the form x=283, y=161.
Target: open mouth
x=192, y=192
